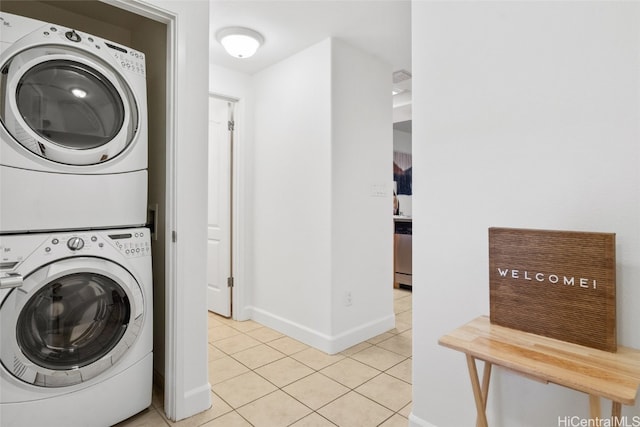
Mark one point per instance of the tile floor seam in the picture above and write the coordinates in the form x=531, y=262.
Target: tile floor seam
x=317, y=409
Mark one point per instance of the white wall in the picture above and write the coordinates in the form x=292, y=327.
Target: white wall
x=529, y=114
x=292, y=194
x=361, y=223
x=317, y=232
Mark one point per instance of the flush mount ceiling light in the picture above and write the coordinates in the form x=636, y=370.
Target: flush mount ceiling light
x=239, y=42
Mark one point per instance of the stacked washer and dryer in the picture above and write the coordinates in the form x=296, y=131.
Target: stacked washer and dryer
x=75, y=257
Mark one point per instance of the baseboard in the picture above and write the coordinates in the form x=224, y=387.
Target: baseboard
x=328, y=344
x=418, y=422
x=195, y=401
x=362, y=333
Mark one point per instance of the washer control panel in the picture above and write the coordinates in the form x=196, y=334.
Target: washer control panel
x=16, y=248
x=132, y=243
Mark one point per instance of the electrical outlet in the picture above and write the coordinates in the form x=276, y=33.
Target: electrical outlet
x=348, y=298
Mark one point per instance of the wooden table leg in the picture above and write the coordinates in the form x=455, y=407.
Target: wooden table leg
x=594, y=407
x=616, y=411
x=486, y=376
x=477, y=391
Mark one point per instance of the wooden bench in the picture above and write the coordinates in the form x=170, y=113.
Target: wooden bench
x=614, y=376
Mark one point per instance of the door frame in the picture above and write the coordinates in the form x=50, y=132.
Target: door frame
x=174, y=398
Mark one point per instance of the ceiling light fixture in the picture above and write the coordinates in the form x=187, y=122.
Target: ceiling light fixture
x=240, y=42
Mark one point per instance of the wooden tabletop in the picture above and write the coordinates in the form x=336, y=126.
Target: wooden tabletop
x=614, y=376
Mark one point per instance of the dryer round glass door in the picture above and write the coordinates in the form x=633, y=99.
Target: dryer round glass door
x=67, y=106
x=70, y=321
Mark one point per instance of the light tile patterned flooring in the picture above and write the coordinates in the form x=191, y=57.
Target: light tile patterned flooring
x=262, y=378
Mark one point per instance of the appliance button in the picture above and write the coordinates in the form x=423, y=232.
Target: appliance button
x=55, y=241
x=94, y=239
x=47, y=249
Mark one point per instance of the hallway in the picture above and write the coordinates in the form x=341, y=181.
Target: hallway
x=260, y=377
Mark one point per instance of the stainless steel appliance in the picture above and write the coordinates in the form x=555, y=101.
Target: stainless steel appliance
x=403, y=248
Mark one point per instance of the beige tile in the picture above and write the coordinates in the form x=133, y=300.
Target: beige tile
x=221, y=332
x=218, y=408
x=406, y=411
x=378, y=358
x=265, y=334
x=350, y=373
x=284, y=371
x=236, y=343
x=380, y=338
x=288, y=345
x=215, y=353
x=225, y=368
x=401, y=293
x=316, y=359
x=213, y=320
x=353, y=409
x=401, y=327
x=398, y=344
x=257, y=356
x=313, y=420
x=274, y=410
x=147, y=418
x=401, y=305
x=396, y=421
x=316, y=390
x=245, y=325
x=243, y=389
x=356, y=348
x=402, y=371
x=388, y=391
x=232, y=419
x=405, y=317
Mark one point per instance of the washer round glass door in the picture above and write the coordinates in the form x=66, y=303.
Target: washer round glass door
x=67, y=106
x=70, y=321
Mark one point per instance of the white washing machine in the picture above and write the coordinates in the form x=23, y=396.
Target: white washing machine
x=75, y=327
x=73, y=114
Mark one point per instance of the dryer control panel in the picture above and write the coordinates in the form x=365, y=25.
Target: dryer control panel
x=15, y=27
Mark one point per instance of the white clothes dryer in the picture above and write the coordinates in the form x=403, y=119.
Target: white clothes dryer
x=76, y=327
x=73, y=114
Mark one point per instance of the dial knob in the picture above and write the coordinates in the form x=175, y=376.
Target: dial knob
x=75, y=243
x=73, y=36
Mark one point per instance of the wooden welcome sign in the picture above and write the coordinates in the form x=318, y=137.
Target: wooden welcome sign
x=560, y=284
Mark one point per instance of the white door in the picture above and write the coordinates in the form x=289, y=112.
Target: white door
x=219, y=208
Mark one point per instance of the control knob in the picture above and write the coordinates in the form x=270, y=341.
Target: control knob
x=75, y=243
x=73, y=36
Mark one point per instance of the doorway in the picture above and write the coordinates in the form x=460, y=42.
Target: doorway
x=220, y=206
